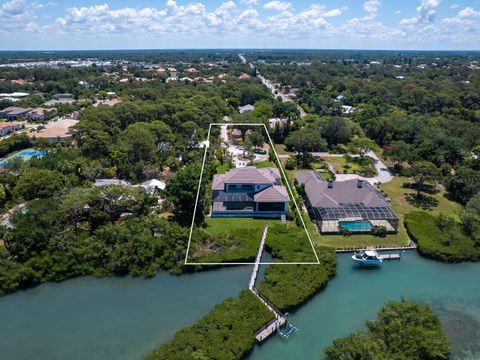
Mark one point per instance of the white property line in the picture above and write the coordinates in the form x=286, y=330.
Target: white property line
x=272, y=146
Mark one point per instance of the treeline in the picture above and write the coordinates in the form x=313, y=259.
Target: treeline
x=402, y=330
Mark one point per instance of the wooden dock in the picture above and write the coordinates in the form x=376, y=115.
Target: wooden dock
x=279, y=319
x=389, y=256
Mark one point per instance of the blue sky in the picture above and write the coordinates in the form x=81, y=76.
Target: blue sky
x=339, y=24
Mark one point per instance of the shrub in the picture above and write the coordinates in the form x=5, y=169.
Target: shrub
x=380, y=231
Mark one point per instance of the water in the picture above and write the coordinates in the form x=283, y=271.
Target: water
x=356, y=225
x=26, y=154
x=125, y=318
x=110, y=318
x=355, y=295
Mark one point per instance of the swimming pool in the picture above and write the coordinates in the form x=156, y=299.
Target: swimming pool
x=357, y=225
x=26, y=154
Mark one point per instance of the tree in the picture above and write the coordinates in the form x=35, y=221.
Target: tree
x=422, y=172
x=306, y=139
x=399, y=152
x=182, y=192
x=263, y=111
x=362, y=145
x=464, y=184
x=402, y=330
x=39, y=183
x=337, y=131
x=75, y=205
x=257, y=139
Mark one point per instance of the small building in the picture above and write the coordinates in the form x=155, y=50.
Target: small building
x=64, y=96
x=56, y=131
x=274, y=121
x=63, y=101
x=245, y=108
x=244, y=76
x=13, y=113
x=340, y=98
x=353, y=205
x=9, y=127
x=41, y=113
x=249, y=192
x=153, y=185
x=346, y=109
x=106, y=182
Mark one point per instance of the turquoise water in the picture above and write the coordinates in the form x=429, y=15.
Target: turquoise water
x=25, y=154
x=110, y=318
x=125, y=318
x=355, y=295
x=356, y=225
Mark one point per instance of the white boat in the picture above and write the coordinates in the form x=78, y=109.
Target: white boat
x=367, y=258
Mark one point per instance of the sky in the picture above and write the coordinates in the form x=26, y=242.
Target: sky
x=167, y=24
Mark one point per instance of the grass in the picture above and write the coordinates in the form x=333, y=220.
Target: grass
x=230, y=240
x=223, y=168
x=338, y=165
x=265, y=164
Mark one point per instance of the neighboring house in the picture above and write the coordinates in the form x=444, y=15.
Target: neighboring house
x=153, y=185
x=13, y=113
x=274, y=121
x=64, y=96
x=106, y=182
x=63, y=101
x=346, y=109
x=244, y=76
x=56, y=131
x=8, y=127
x=249, y=192
x=340, y=98
x=40, y=114
x=353, y=205
x=245, y=108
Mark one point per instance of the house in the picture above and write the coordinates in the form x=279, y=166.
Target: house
x=192, y=70
x=249, y=192
x=354, y=205
x=106, y=182
x=346, y=109
x=245, y=108
x=153, y=185
x=274, y=121
x=62, y=101
x=64, y=96
x=244, y=76
x=13, y=113
x=40, y=114
x=340, y=98
x=8, y=127
x=56, y=131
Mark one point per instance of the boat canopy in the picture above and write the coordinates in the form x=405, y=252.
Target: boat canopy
x=370, y=253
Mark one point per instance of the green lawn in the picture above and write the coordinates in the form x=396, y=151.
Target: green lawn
x=338, y=164
x=235, y=239
x=265, y=164
x=223, y=168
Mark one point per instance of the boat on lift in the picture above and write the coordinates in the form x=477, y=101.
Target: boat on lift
x=367, y=258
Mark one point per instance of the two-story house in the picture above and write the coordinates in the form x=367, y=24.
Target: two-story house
x=249, y=192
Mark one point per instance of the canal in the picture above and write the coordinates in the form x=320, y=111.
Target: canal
x=126, y=318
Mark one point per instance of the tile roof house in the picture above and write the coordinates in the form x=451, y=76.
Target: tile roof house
x=41, y=113
x=13, y=112
x=249, y=192
x=245, y=108
x=8, y=127
x=332, y=204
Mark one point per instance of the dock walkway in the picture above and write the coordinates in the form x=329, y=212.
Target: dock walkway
x=389, y=256
x=280, y=319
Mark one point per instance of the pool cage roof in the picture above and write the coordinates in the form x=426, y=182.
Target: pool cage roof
x=351, y=210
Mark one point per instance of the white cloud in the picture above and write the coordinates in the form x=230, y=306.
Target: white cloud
x=278, y=5
x=249, y=2
x=426, y=13
x=397, y=12
x=454, y=6
x=468, y=12
x=371, y=7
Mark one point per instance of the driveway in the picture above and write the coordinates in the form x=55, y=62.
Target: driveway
x=384, y=175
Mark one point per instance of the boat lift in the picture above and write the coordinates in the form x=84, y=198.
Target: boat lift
x=289, y=329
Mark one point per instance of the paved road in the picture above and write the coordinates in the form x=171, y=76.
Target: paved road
x=275, y=92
